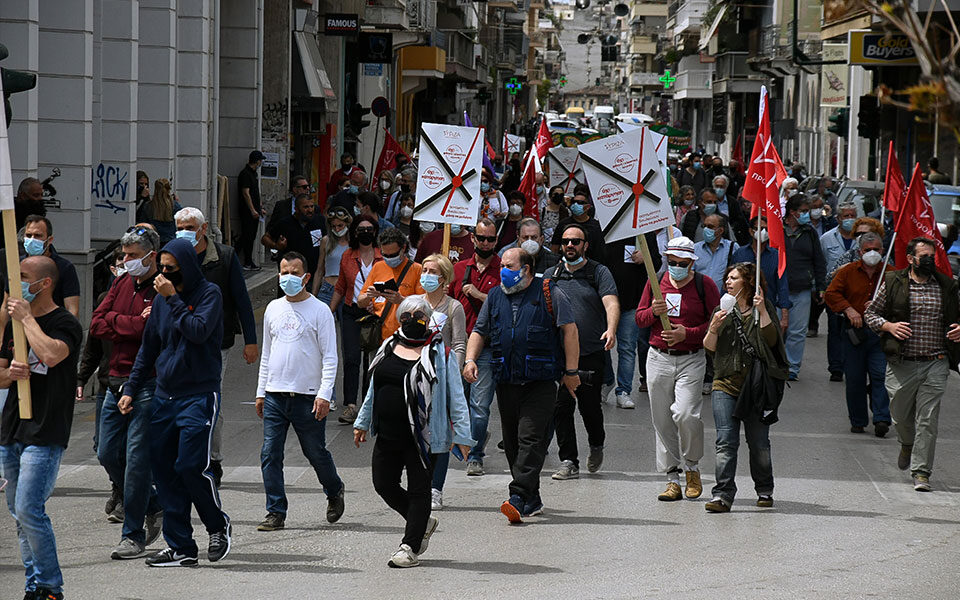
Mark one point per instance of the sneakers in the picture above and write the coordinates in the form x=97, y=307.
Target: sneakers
x=170, y=558
x=216, y=470
x=624, y=401
x=403, y=558
x=707, y=388
x=333, y=406
x=605, y=391
x=567, y=470
x=272, y=522
x=349, y=414
x=765, y=501
x=43, y=594
x=694, y=487
x=881, y=428
x=717, y=505
x=251, y=267
x=595, y=460
x=533, y=508
x=335, y=506
x=436, y=499
x=219, y=544
x=432, y=524
x=903, y=461
x=512, y=509
x=836, y=376
x=671, y=493
x=921, y=483
x=128, y=549
x=474, y=468
x=153, y=524
x=856, y=429
x=116, y=515
x=116, y=497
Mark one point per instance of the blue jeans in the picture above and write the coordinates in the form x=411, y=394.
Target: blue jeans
x=124, y=451
x=835, y=345
x=481, y=397
x=325, y=293
x=860, y=361
x=643, y=347
x=32, y=474
x=797, y=329
x=280, y=410
x=98, y=402
x=441, y=462
x=728, y=443
x=628, y=336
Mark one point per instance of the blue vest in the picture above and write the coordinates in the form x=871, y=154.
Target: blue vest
x=528, y=350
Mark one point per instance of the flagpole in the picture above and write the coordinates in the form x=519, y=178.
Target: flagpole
x=883, y=269
x=373, y=154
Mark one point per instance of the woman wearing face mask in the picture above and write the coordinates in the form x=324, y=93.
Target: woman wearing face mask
x=451, y=321
x=386, y=188
x=416, y=409
x=493, y=203
x=355, y=267
x=507, y=231
x=741, y=328
x=332, y=248
x=554, y=212
x=806, y=269
x=686, y=199
x=405, y=222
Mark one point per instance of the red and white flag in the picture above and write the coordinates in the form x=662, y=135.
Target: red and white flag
x=388, y=156
x=764, y=177
x=544, y=141
x=894, y=187
x=916, y=219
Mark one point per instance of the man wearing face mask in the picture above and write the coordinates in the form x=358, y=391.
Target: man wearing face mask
x=806, y=269
x=693, y=222
x=821, y=217
x=297, y=374
x=788, y=189
x=530, y=240
x=529, y=326
x=691, y=174
x=461, y=244
x=38, y=241
x=473, y=278
x=863, y=355
x=124, y=449
x=221, y=266
x=834, y=244
x=368, y=205
x=714, y=255
x=581, y=213
x=347, y=197
x=728, y=206
x=408, y=185
x=507, y=233
x=916, y=312
x=300, y=232
x=402, y=275
x=778, y=290
x=347, y=167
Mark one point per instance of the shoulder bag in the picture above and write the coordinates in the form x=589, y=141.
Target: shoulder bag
x=371, y=326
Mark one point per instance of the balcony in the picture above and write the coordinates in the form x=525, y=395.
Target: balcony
x=389, y=14
x=639, y=10
x=644, y=79
x=693, y=85
x=422, y=14
x=643, y=44
x=685, y=15
x=733, y=75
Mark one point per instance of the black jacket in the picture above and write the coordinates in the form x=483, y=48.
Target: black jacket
x=221, y=266
x=806, y=267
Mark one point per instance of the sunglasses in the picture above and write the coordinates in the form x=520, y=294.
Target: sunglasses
x=364, y=229
x=169, y=268
x=571, y=241
x=675, y=263
x=337, y=214
x=138, y=230
x=414, y=316
x=485, y=238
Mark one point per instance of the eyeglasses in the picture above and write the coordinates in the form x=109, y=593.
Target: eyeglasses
x=138, y=230
x=571, y=241
x=485, y=238
x=674, y=263
x=169, y=268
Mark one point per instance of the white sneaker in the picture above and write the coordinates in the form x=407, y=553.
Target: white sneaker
x=624, y=401
x=403, y=558
x=432, y=524
x=333, y=406
x=436, y=500
x=605, y=391
x=567, y=470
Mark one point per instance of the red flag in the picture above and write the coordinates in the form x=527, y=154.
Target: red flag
x=894, y=187
x=916, y=219
x=388, y=156
x=738, y=154
x=762, y=185
x=490, y=152
x=544, y=141
x=528, y=186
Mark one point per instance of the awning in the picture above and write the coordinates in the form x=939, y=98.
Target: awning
x=705, y=39
x=314, y=73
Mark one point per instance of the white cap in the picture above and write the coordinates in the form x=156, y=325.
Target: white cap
x=681, y=247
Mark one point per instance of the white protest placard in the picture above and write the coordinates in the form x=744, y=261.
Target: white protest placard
x=659, y=140
x=627, y=184
x=566, y=169
x=448, y=188
x=511, y=144
x=6, y=178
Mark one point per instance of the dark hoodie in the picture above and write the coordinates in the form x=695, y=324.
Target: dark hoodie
x=183, y=334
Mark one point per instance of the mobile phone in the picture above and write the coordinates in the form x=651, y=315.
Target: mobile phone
x=390, y=284
x=379, y=286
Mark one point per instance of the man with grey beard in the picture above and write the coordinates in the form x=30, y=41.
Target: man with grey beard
x=534, y=340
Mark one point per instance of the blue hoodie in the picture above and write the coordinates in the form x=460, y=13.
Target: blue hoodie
x=183, y=334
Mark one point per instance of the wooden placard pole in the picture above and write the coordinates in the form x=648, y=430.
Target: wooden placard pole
x=445, y=249
x=652, y=277
x=19, y=339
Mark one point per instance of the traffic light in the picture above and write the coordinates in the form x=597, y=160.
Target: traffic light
x=868, y=118
x=13, y=82
x=355, y=120
x=840, y=122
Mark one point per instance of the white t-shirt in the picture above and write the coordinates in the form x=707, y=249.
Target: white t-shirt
x=299, y=348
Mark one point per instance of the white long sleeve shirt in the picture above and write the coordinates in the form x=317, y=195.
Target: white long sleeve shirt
x=299, y=348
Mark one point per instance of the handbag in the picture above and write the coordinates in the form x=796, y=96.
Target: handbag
x=371, y=326
x=760, y=394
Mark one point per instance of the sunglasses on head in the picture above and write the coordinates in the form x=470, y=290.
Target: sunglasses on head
x=138, y=230
x=485, y=238
x=571, y=241
x=418, y=315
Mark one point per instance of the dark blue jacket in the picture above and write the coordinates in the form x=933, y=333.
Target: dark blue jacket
x=183, y=334
x=528, y=349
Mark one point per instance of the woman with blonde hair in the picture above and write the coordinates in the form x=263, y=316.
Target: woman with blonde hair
x=159, y=210
x=332, y=247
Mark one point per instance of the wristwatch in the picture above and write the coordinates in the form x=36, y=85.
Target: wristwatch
x=469, y=360
x=571, y=372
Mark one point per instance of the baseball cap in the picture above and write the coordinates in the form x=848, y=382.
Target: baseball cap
x=681, y=247
x=256, y=155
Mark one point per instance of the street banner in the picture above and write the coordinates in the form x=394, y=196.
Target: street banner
x=627, y=184
x=448, y=189
x=511, y=144
x=388, y=156
x=916, y=219
x=566, y=170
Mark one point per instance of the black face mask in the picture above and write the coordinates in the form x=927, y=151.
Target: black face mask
x=365, y=238
x=174, y=277
x=484, y=253
x=414, y=333
x=925, y=266
x=557, y=198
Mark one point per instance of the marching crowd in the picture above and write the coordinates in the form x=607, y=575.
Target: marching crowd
x=521, y=308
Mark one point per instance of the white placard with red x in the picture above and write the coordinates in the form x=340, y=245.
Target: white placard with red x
x=448, y=177
x=659, y=140
x=566, y=170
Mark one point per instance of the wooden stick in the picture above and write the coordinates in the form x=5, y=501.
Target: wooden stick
x=445, y=249
x=652, y=277
x=19, y=339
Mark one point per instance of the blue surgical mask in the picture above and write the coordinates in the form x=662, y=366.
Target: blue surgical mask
x=709, y=209
x=484, y=187
x=847, y=224
x=27, y=294
x=429, y=281
x=696, y=164
x=804, y=218
x=679, y=273
x=509, y=277
x=573, y=262
x=709, y=235
x=539, y=189
x=721, y=192
x=291, y=284
x=393, y=261
x=190, y=236
x=357, y=210
x=577, y=209
x=456, y=229
x=353, y=190
x=33, y=246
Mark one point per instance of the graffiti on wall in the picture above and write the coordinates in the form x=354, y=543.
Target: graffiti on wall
x=108, y=185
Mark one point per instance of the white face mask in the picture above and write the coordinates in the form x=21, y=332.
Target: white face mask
x=763, y=236
x=871, y=258
x=515, y=209
x=384, y=185
x=136, y=267
x=427, y=227
x=406, y=212
x=727, y=302
x=816, y=213
x=530, y=247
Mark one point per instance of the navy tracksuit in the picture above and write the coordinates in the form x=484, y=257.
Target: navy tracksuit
x=182, y=341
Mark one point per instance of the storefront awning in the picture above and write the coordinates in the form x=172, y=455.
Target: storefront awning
x=705, y=39
x=314, y=73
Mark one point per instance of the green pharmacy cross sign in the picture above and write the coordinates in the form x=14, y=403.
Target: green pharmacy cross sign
x=514, y=86
x=667, y=79
x=563, y=80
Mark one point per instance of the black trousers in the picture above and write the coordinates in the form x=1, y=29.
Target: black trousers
x=525, y=414
x=390, y=458
x=248, y=235
x=588, y=402
x=351, y=353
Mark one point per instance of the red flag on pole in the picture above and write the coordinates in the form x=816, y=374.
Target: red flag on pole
x=544, y=141
x=916, y=219
x=894, y=187
x=388, y=156
x=528, y=186
x=738, y=154
x=762, y=185
x=490, y=152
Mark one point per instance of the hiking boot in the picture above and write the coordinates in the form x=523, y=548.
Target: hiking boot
x=168, y=557
x=672, y=492
x=128, y=549
x=216, y=470
x=921, y=483
x=567, y=470
x=624, y=401
x=349, y=414
x=403, y=558
x=512, y=509
x=474, y=468
x=335, y=506
x=903, y=461
x=116, y=497
x=116, y=515
x=436, y=499
x=272, y=522
x=694, y=487
x=881, y=428
x=432, y=524
x=717, y=505
x=765, y=501
x=153, y=524
x=595, y=460
x=219, y=544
